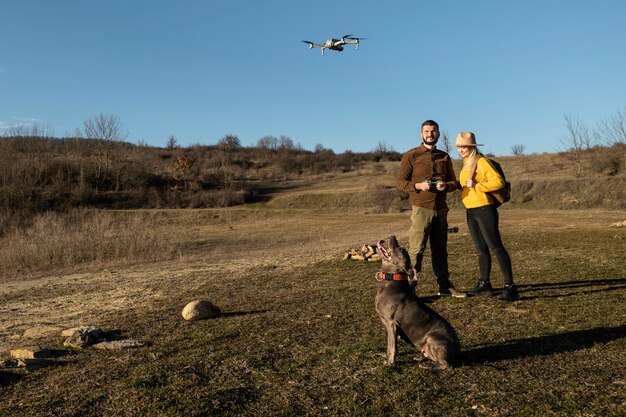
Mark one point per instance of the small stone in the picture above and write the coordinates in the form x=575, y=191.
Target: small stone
x=119, y=344
x=200, y=309
x=9, y=363
x=40, y=331
x=29, y=353
x=93, y=331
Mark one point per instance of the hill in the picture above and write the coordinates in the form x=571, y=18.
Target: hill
x=298, y=334
x=40, y=174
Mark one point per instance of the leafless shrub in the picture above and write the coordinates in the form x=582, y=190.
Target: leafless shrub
x=607, y=162
x=30, y=130
x=612, y=130
x=518, y=150
x=577, y=138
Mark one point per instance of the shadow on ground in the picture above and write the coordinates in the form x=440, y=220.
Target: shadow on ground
x=242, y=313
x=546, y=345
x=588, y=286
x=8, y=378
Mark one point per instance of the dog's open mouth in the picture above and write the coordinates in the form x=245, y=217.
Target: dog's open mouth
x=382, y=251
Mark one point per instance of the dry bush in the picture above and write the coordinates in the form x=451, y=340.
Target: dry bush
x=607, y=162
x=80, y=236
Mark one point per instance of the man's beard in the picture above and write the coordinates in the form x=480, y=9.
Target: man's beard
x=430, y=141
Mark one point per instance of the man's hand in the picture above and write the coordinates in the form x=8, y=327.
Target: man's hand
x=422, y=186
x=441, y=185
x=469, y=183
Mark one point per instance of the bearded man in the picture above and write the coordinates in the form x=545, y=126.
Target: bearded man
x=427, y=175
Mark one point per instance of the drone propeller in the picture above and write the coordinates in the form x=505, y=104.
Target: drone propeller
x=350, y=37
x=310, y=43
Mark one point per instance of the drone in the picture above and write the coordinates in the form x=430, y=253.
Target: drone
x=336, y=44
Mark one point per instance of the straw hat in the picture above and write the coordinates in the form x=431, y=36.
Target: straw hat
x=466, y=139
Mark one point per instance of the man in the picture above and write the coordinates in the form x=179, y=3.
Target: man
x=427, y=175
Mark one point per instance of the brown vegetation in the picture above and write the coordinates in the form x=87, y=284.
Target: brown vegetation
x=298, y=334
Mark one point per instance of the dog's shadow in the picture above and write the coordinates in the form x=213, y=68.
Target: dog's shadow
x=9, y=378
x=545, y=345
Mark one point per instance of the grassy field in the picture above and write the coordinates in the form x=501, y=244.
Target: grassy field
x=299, y=334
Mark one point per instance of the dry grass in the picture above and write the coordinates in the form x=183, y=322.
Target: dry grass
x=299, y=335
x=64, y=240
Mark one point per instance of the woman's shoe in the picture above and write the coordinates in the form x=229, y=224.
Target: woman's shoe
x=482, y=288
x=509, y=293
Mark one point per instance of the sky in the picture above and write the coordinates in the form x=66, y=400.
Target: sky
x=510, y=71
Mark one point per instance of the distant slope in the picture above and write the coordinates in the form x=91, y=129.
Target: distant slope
x=538, y=181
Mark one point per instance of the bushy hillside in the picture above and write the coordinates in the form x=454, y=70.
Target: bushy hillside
x=41, y=174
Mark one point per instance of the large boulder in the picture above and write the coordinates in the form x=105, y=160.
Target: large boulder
x=200, y=309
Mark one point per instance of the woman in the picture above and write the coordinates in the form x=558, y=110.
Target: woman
x=477, y=178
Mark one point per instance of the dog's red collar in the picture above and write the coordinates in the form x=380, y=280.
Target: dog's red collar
x=382, y=276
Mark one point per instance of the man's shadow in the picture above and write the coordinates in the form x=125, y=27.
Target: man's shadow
x=579, y=287
x=545, y=345
x=557, y=343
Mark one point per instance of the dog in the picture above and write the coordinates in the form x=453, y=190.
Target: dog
x=404, y=315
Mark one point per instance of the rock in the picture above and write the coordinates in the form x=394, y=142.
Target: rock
x=618, y=224
x=9, y=363
x=93, y=332
x=119, y=344
x=80, y=340
x=81, y=337
x=200, y=309
x=34, y=332
x=29, y=353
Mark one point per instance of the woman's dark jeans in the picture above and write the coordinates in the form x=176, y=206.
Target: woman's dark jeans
x=483, y=226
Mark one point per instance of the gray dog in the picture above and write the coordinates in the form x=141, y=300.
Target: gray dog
x=404, y=315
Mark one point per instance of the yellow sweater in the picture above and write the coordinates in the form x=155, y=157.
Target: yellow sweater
x=486, y=179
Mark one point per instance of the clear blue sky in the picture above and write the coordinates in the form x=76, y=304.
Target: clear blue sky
x=507, y=70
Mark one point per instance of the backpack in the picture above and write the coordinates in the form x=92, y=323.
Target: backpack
x=503, y=195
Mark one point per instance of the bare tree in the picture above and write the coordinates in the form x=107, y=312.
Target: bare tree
x=612, y=130
x=445, y=139
x=108, y=129
x=32, y=130
x=105, y=127
x=518, y=150
x=229, y=141
x=318, y=148
x=577, y=137
x=285, y=143
x=382, y=148
x=267, y=142
x=172, y=143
